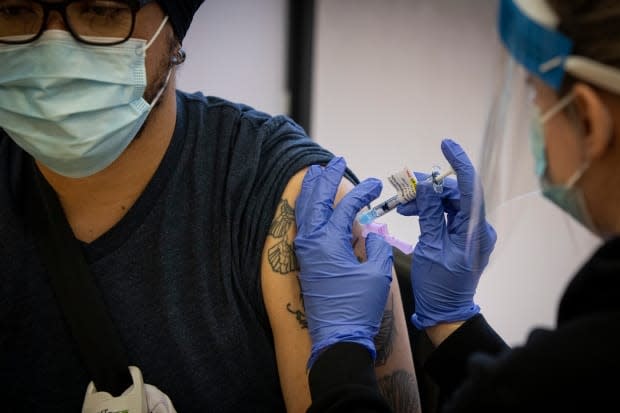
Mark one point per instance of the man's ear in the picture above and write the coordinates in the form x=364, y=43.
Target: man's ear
x=596, y=119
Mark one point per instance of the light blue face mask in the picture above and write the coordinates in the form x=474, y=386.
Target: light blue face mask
x=568, y=196
x=72, y=106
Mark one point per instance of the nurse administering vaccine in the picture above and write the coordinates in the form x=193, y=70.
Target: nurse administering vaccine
x=563, y=54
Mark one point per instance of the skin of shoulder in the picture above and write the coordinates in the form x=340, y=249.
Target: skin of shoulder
x=284, y=303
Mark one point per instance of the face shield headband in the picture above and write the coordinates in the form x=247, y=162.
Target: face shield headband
x=527, y=29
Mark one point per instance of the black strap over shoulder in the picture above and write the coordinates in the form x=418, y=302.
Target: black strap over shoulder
x=78, y=296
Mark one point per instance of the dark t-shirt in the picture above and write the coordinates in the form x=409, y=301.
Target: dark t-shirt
x=179, y=274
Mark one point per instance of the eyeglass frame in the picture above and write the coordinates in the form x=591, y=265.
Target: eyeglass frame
x=61, y=8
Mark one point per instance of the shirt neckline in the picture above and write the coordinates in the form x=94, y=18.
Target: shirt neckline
x=122, y=230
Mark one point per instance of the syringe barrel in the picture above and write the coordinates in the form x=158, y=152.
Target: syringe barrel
x=387, y=205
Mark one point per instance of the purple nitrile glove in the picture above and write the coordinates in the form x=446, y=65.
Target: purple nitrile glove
x=451, y=254
x=344, y=299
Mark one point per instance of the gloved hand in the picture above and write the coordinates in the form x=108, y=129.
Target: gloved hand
x=450, y=256
x=344, y=299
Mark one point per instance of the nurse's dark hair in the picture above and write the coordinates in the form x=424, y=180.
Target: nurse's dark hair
x=594, y=27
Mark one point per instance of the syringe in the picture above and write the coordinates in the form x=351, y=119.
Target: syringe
x=437, y=177
x=406, y=185
x=383, y=208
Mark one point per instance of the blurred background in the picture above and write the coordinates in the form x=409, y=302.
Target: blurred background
x=382, y=82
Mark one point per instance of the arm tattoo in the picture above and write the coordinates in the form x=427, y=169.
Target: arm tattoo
x=384, y=339
x=282, y=255
x=401, y=391
x=300, y=315
x=284, y=219
x=282, y=258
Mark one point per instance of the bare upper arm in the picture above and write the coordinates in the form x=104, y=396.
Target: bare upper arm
x=284, y=304
x=283, y=301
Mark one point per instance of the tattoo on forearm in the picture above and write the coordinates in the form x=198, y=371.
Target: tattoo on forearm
x=401, y=391
x=384, y=340
x=282, y=255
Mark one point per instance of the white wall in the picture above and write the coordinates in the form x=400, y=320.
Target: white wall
x=237, y=50
x=392, y=78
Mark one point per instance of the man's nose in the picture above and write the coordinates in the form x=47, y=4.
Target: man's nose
x=55, y=21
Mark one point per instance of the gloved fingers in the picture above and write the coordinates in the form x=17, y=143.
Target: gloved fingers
x=469, y=226
x=321, y=201
x=492, y=238
x=353, y=202
x=379, y=252
x=303, y=200
x=481, y=247
x=468, y=182
x=421, y=176
x=450, y=199
x=486, y=238
x=309, y=182
x=431, y=216
x=451, y=196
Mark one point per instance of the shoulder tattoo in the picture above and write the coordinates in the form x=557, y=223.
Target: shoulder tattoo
x=282, y=255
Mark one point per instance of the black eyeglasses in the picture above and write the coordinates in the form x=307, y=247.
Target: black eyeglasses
x=96, y=22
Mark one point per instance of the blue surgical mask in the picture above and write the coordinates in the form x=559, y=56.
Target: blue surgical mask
x=567, y=196
x=74, y=107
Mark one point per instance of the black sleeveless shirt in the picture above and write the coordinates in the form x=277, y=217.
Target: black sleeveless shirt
x=179, y=274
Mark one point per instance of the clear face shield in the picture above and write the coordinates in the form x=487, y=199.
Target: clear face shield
x=513, y=160
x=506, y=165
